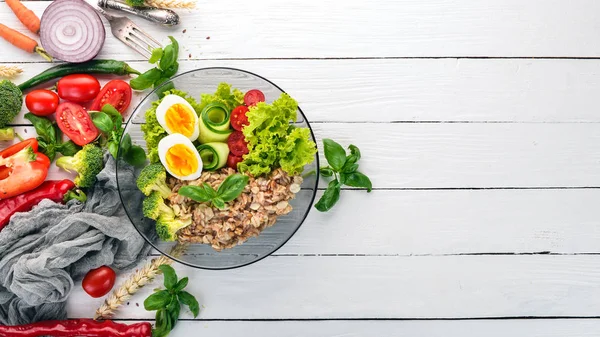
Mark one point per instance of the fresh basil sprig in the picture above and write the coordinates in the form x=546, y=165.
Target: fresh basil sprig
x=167, y=302
x=229, y=189
x=50, y=138
x=166, y=66
x=344, y=170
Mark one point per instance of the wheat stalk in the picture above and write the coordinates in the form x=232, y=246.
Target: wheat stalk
x=135, y=282
x=171, y=3
x=9, y=71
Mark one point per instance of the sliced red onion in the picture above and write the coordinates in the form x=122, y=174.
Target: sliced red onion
x=71, y=31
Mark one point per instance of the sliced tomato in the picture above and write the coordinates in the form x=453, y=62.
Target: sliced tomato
x=78, y=88
x=233, y=161
x=116, y=93
x=237, y=143
x=41, y=102
x=253, y=96
x=76, y=123
x=239, y=119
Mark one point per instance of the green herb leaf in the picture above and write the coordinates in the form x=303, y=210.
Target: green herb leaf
x=157, y=301
x=68, y=148
x=114, y=114
x=48, y=149
x=209, y=190
x=189, y=300
x=354, y=151
x=330, y=197
x=181, y=284
x=102, y=121
x=169, y=275
x=326, y=171
x=146, y=80
x=170, y=71
x=357, y=179
x=174, y=311
x=135, y=156
x=349, y=168
x=232, y=187
x=175, y=46
x=162, y=324
x=126, y=143
x=113, y=148
x=156, y=55
x=167, y=86
x=168, y=57
x=335, y=154
x=43, y=127
x=219, y=203
x=195, y=193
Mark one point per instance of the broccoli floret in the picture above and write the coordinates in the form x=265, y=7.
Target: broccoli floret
x=12, y=100
x=88, y=162
x=154, y=206
x=153, y=178
x=7, y=134
x=167, y=226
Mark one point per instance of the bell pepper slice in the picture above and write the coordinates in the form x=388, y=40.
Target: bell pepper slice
x=27, y=170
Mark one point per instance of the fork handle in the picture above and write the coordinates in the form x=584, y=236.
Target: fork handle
x=165, y=17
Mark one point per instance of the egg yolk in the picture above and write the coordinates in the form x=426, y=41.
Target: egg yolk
x=181, y=160
x=180, y=119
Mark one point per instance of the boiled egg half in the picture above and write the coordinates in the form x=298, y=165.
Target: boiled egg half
x=179, y=157
x=176, y=115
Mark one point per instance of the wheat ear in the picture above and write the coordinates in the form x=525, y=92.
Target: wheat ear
x=171, y=3
x=9, y=71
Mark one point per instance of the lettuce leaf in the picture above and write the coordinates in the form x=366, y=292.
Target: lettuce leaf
x=222, y=95
x=153, y=131
x=273, y=142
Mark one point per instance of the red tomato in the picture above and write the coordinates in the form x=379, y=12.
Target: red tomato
x=98, y=282
x=76, y=123
x=239, y=119
x=41, y=102
x=116, y=93
x=233, y=161
x=237, y=143
x=253, y=96
x=78, y=88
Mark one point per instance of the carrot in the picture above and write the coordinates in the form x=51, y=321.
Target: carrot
x=25, y=15
x=22, y=41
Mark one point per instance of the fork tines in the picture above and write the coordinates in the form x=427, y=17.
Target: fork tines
x=139, y=40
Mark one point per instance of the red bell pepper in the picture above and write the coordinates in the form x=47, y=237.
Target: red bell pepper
x=22, y=168
x=54, y=190
x=77, y=327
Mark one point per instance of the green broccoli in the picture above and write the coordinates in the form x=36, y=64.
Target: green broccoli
x=167, y=226
x=88, y=162
x=154, y=206
x=12, y=100
x=153, y=178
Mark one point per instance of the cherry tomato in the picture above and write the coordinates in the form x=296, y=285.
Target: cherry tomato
x=237, y=143
x=41, y=102
x=253, y=96
x=98, y=282
x=76, y=123
x=232, y=161
x=239, y=119
x=78, y=88
x=116, y=93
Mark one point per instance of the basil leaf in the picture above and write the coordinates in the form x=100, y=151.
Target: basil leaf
x=335, y=154
x=189, y=300
x=68, y=148
x=168, y=57
x=114, y=115
x=209, y=190
x=48, y=149
x=326, y=171
x=195, y=193
x=330, y=197
x=113, y=148
x=167, y=86
x=156, y=55
x=43, y=127
x=174, y=313
x=357, y=179
x=157, y=301
x=126, y=143
x=232, y=187
x=146, y=80
x=349, y=168
x=169, y=274
x=354, y=151
x=135, y=156
x=162, y=324
x=172, y=70
x=219, y=203
x=175, y=46
x=342, y=178
x=102, y=121
x=181, y=284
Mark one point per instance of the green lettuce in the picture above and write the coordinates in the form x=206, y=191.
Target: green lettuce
x=222, y=95
x=273, y=142
x=153, y=131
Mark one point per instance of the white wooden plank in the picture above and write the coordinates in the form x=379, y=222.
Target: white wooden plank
x=386, y=287
x=390, y=28
x=504, y=90
x=488, y=328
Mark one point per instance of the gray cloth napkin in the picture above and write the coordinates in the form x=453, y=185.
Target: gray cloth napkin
x=43, y=251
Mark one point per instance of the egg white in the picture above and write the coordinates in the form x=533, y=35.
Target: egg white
x=171, y=140
x=165, y=104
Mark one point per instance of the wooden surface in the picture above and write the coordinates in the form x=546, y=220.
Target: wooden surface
x=478, y=123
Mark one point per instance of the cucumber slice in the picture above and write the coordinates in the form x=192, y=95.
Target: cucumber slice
x=214, y=123
x=214, y=155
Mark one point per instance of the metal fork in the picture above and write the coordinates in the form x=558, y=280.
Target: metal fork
x=130, y=34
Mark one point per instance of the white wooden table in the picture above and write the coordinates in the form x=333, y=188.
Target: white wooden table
x=479, y=126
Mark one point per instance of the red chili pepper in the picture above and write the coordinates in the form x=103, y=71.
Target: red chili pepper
x=77, y=327
x=54, y=190
x=23, y=168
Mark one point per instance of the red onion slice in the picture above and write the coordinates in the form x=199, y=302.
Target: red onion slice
x=71, y=31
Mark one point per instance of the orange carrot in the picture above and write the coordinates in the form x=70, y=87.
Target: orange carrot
x=25, y=15
x=22, y=41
